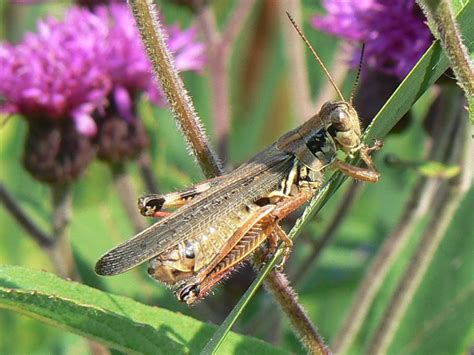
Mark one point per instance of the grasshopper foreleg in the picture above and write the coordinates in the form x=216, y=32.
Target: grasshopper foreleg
x=369, y=174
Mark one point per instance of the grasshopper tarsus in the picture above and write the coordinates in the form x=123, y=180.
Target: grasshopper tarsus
x=369, y=174
x=150, y=204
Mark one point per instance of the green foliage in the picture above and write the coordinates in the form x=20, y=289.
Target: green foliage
x=118, y=322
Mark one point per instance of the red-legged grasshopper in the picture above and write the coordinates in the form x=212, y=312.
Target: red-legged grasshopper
x=219, y=223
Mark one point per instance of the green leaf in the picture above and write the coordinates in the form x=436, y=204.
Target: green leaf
x=428, y=69
x=116, y=321
x=434, y=168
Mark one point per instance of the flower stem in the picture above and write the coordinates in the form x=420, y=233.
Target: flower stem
x=11, y=204
x=128, y=196
x=181, y=104
x=146, y=171
x=57, y=245
x=444, y=208
x=61, y=251
x=286, y=298
x=440, y=14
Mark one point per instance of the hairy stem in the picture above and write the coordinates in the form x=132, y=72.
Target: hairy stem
x=181, y=104
x=286, y=298
x=441, y=16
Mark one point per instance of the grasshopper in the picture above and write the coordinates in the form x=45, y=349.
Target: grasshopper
x=219, y=223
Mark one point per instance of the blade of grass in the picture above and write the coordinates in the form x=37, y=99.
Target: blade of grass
x=428, y=69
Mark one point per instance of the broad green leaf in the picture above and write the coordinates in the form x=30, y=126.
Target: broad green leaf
x=116, y=321
x=428, y=69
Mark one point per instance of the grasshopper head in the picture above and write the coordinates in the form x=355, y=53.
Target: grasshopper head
x=342, y=123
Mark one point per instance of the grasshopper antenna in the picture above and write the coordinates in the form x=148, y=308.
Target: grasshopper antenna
x=359, y=69
x=315, y=55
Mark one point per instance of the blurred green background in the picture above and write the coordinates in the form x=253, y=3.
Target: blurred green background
x=261, y=111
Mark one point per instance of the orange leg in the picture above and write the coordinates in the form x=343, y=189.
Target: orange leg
x=369, y=174
x=248, y=237
x=278, y=234
x=261, y=225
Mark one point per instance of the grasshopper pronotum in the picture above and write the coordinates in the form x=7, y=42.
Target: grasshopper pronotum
x=220, y=222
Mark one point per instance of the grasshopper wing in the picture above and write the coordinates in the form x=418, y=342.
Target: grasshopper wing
x=259, y=176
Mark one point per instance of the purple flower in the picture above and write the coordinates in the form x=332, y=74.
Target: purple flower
x=69, y=68
x=129, y=67
x=394, y=32
x=120, y=135
x=58, y=73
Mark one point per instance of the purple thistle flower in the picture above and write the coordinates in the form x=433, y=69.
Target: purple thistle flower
x=394, y=32
x=129, y=67
x=59, y=72
x=79, y=77
x=121, y=136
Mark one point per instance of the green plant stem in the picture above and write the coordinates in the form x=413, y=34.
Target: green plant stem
x=61, y=251
x=422, y=196
x=128, y=196
x=440, y=15
x=444, y=208
x=11, y=205
x=146, y=171
x=180, y=103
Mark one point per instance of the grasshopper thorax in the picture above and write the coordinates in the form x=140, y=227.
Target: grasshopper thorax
x=342, y=123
